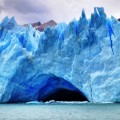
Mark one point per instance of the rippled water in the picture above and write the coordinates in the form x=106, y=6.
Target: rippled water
x=57, y=111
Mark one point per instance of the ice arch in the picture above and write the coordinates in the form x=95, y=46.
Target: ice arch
x=59, y=89
x=43, y=87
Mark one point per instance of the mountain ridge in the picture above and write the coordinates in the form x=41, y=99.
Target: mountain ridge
x=42, y=26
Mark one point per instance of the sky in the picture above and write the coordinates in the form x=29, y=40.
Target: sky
x=30, y=11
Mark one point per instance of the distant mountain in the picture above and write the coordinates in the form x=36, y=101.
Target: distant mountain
x=34, y=24
x=119, y=19
x=41, y=27
x=50, y=23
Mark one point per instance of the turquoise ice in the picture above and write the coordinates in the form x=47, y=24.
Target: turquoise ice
x=85, y=54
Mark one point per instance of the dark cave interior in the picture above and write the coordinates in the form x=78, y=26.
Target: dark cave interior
x=65, y=95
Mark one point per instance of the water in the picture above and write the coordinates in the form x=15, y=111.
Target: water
x=58, y=111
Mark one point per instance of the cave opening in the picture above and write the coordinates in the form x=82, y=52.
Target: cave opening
x=45, y=87
x=58, y=89
x=63, y=94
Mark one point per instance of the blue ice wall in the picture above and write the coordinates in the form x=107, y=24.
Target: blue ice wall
x=84, y=52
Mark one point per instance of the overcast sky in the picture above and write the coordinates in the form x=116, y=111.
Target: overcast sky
x=28, y=11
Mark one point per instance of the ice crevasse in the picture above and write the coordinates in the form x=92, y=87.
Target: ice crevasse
x=83, y=55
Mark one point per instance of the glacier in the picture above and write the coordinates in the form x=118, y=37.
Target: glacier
x=80, y=56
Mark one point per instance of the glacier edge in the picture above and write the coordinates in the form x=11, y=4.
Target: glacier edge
x=85, y=53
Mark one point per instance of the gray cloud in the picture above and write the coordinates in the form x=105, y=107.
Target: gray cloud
x=24, y=6
x=27, y=11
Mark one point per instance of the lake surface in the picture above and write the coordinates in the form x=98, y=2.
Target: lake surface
x=58, y=111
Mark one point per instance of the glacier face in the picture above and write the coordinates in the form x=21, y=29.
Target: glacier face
x=84, y=54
